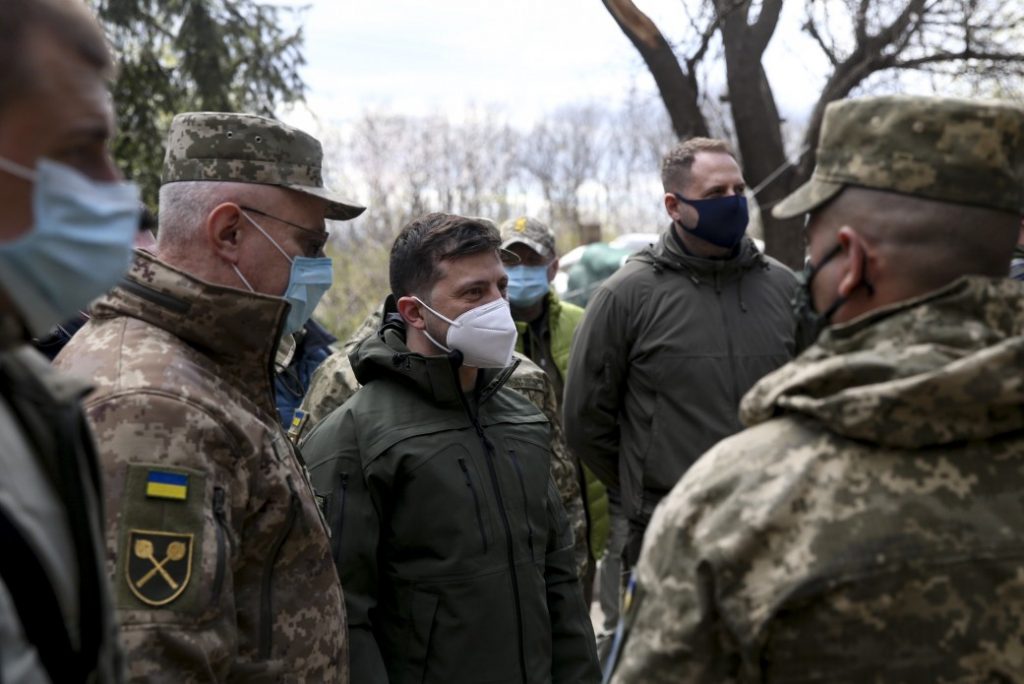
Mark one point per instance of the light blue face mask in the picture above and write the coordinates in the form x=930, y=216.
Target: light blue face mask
x=309, y=279
x=527, y=284
x=79, y=246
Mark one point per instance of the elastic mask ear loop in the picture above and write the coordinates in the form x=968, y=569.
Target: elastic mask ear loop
x=267, y=235
x=18, y=170
x=443, y=318
x=242, y=277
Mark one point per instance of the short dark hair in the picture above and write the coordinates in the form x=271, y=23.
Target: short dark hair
x=68, y=22
x=675, y=166
x=427, y=241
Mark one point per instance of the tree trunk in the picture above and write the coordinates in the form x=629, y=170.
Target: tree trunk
x=758, y=125
x=678, y=90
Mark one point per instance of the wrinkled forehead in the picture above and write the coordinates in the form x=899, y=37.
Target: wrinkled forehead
x=458, y=272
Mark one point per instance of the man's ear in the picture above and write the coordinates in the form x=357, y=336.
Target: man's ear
x=412, y=312
x=858, y=253
x=671, y=206
x=552, y=270
x=680, y=211
x=222, y=230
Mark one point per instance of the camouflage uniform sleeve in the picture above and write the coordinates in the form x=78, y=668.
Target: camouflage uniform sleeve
x=672, y=628
x=563, y=466
x=175, y=497
x=331, y=386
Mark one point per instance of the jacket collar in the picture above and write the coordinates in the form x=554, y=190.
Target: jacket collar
x=667, y=254
x=385, y=354
x=239, y=330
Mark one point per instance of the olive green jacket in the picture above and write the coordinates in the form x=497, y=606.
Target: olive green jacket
x=668, y=346
x=563, y=319
x=447, y=529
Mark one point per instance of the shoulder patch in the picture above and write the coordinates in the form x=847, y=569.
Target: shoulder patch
x=163, y=484
x=165, y=538
x=158, y=565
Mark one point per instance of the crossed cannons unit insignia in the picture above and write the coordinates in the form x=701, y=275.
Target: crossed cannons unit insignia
x=159, y=565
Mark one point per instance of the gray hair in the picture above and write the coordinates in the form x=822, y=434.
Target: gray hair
x=184, y=206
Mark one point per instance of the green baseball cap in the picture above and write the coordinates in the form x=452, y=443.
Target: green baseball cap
x=245, y=148
x=530, y=232
x=952, y=150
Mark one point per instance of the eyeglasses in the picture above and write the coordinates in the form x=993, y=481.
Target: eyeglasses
x=319, y=239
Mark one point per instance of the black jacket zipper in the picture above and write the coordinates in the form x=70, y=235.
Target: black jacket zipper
x=220, y=518
x=490, y=458
x=267, y=584
x=526, y=501
x=338, y=516
x=476, y=502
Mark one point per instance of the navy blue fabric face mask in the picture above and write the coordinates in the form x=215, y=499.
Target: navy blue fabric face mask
x=722, y=220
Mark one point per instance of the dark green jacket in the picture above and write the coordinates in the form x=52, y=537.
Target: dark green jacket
x=563, y=319
x=449, y=535
x=668, y=347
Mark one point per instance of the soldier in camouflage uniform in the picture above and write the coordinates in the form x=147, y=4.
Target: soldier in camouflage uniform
x=866, y=527
x=218, y=552
x=334, y=382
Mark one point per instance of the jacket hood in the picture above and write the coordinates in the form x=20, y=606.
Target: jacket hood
x=385, y=354
x=941, y=368
x=666, y=254
x=238, y=329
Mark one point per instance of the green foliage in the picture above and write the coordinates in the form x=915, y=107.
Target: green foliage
x=194, y=55
x=360, y=284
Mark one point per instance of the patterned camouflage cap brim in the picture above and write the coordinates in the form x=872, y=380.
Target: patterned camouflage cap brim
x=244, y=148
x=960, y=151
x=530, y=232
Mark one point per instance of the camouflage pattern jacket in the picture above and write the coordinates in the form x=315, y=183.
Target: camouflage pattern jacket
x=219, y=555
x=867, y=526
x=448, y=531
x=334, y=382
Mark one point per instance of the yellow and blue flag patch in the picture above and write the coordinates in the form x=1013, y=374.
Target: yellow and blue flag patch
x=161, y=484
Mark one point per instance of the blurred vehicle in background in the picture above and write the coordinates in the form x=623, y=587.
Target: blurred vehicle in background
x=582, y=269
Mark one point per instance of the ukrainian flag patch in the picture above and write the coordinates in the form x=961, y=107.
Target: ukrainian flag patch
x=161, y=484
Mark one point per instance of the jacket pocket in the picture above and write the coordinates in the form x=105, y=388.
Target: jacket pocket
x=336, y=513
x=421, y=629
x=476, y=502
x=526, y=499
x=223, y=537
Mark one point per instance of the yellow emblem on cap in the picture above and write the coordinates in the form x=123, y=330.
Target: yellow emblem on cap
x=521, y=225
x=159, y=565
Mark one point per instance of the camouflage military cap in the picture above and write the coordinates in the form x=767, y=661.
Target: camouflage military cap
x=961, y=151
x=530, y=232
x=244, y=148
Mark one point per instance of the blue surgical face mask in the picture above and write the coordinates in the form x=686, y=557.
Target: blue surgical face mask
x=309, y=279
x=722, y=220
x=79, y=246
x=526, y=284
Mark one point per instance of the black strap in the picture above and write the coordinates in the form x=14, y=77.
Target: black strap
x=36, y=604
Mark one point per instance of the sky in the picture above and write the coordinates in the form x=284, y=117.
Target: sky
x=525, y=57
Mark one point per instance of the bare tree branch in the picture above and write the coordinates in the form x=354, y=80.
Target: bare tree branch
x=678, y=90
x=811, y=29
